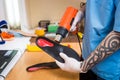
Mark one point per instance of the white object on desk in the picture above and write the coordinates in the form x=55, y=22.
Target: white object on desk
x=20, y=44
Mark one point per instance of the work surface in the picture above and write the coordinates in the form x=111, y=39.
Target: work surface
x=29, y=58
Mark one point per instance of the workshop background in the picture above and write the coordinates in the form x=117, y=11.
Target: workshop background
x=51, y=10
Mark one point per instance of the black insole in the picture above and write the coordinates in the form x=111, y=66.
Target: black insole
x=53, y=49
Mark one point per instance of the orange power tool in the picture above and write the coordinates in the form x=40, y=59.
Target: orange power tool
x=65, y=23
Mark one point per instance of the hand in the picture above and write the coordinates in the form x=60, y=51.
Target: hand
x=70, y=65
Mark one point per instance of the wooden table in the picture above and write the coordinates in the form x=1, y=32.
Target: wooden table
x=29, y=58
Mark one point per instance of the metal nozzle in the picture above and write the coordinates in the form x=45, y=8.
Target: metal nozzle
x=58, y=38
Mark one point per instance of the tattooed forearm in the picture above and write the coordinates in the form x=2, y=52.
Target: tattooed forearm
x=108, y=46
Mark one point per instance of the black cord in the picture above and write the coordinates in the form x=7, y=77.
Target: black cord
x=79, y=40
x=3, y=77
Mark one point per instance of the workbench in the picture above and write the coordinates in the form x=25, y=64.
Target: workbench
x=30, y=58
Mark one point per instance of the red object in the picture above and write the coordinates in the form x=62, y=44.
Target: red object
x=36, y=68
x=7, y=36
x=44, y=43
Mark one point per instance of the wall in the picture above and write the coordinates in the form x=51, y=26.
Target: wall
x=48, y=10
x=2, y=10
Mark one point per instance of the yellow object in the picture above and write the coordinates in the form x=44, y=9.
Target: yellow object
x=40, y=32
x=68, y=45
x=33, y=48
x=80, y=35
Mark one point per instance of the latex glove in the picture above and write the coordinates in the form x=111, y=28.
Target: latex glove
x=70, y=65
x=79, y=16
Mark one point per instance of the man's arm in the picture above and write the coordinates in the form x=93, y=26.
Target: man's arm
x=108, y=46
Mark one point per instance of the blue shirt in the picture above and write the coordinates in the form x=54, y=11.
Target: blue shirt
x=102, y=17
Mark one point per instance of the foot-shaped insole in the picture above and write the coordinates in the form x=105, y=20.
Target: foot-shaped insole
x=53, y=49
x=46, y=65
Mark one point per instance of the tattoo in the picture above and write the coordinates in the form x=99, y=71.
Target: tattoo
x=108, y=46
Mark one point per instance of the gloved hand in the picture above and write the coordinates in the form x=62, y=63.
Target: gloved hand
x=70, y=65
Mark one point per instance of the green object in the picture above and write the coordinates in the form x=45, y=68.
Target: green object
x=52, y=28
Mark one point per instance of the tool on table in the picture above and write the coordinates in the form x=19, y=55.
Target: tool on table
x=4, y=35
x=3, y=24
x=40, y=32
x=33, y=48
x=52, y=28
x=67, y=24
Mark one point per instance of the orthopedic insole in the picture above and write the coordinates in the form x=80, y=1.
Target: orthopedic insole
x=46, y=65
x=53, y=49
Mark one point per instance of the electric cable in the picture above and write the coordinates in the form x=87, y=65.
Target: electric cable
x=79, y=41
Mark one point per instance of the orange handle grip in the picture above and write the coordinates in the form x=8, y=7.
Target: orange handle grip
x=68, y=17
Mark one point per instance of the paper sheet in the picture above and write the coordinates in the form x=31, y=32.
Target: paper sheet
x=17, y=43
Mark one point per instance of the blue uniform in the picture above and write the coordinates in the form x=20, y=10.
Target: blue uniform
x=102, y=17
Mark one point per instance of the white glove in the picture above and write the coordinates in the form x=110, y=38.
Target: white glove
x=70, y=65
x=79, y=16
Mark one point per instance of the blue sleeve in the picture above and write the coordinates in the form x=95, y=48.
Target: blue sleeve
x=117, y=18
